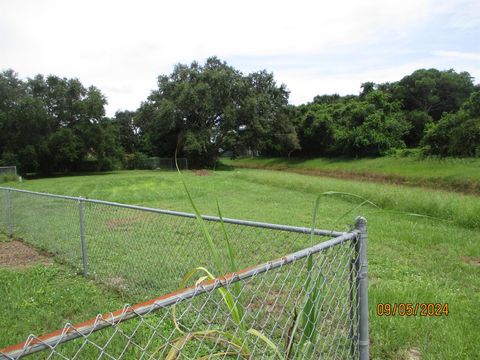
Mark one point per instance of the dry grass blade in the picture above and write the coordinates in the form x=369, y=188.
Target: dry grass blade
x=267, y=341
x=216, y=336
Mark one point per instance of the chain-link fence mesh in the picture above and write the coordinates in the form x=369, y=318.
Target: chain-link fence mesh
x=48, y=223
x=153, y=163
x=8, y=170
x=144, y=252
x=303, y=306
x=4, y=205
x=125, y=246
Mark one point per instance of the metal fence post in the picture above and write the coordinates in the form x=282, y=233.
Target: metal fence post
x=9, y=213
x=362, y=292
x=353, y=309
x=82, y=237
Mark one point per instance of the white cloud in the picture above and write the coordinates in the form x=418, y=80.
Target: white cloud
x=466, y=14
x=475, y=56
x=122, y=46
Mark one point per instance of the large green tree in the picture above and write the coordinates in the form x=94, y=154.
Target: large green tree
x=200, y=110
x=53, y=124
x=128, y=131
x=433, y=91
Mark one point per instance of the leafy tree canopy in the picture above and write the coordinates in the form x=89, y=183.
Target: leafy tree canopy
x=52, y=124
x=456, y=134
x=434, y=92
x=200, y=110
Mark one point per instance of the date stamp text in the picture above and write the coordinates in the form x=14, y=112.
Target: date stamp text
x=412, y=309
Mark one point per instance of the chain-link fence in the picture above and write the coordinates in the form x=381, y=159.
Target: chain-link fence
x=162, y=163
x=8, y=170
x=254, y=313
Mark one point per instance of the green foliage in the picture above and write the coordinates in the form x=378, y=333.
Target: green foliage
x=8, y=178
x=456, y=134
x=128, y=132
x=364, y=126
x=387, y=116
x=433, y=91
x=137, y=160
x=419, y=121
x=54, y=124
x=200, y=110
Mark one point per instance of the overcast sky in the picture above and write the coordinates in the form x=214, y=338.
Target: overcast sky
x=314, y=47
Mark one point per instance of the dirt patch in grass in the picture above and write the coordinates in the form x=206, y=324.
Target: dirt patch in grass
x=16, y=255
x=202, y=172
x=270, y=302
x=461, y=186
x=471, y=260
x=414, y=354
x=122, y=223
x=116, y=283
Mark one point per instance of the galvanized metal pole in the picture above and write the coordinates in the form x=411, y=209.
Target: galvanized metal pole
x=9, y=213
x=362, y=292
x=353, y=307
x=82, y=237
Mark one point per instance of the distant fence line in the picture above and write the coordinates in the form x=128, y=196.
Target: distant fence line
x=142, y=252
x=152, y=163
x=8, y=170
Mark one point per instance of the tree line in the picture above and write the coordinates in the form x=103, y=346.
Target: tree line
x=52, y=124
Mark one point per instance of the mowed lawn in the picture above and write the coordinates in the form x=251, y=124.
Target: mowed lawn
x=432, y=258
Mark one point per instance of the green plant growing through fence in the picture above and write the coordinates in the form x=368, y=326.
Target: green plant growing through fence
x=230, y=298
x=298, y=345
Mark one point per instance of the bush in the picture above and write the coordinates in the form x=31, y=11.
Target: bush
x=8, y=178
x=416, y=153
x=137, y=160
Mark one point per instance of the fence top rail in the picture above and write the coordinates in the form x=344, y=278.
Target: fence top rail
x=296, y=229
x=69, y=332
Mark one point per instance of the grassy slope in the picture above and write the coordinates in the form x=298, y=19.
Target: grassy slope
x=452, y=174
x=411, y=259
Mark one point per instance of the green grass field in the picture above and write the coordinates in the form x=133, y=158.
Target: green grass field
x=43, y=298
x=412, y=259
x=462, y=175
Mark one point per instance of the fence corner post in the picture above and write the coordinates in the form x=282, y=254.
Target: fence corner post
x=362, y=294
x=82, y=236
x=10, y=213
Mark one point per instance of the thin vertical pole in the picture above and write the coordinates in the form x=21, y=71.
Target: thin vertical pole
x=9, y=213
x=351, y=295
x=82, y=237
x=362, y=292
